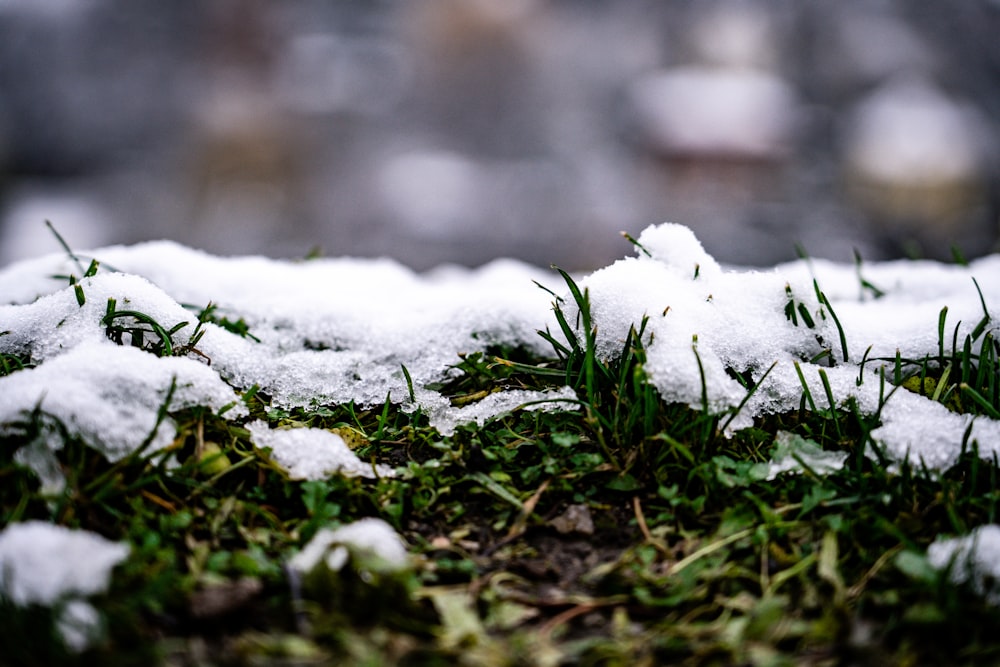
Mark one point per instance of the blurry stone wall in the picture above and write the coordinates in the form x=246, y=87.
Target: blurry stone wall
x=462, y=130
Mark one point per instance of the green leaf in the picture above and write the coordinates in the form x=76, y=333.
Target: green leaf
x=817, y=495
x=623, y=482
x=916, y=566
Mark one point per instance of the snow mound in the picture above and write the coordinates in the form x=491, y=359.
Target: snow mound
x=312, y=453
x=705, y=323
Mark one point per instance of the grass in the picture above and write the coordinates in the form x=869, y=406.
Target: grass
x=629, y=532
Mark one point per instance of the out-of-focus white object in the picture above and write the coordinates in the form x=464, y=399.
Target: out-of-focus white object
x=973, y=559
x=374, y=537
x=699, y=110
x=45, y=564
x=434, y=193
x=41, y=562
x=735, y=35
x=80, y=219
x=917, y=157
x=909, y=132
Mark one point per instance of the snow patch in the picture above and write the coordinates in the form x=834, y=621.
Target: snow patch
x=108, y=396
x=41, y=563
x=372, y=538
x=973, y=559
x=50, y=565
x=312, y=453
x=333, y=331
x=705, y=323
x=498, y=403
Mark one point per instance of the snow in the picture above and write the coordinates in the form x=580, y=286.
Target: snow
x=973, y=559
x=50, y=565
x=34, y=568
x=332, y=331
x=312, y=453
x=338, y=330
x=108, y=395
x=372, y=538
x=79, y=624
x=735, y=319
x=503, y=402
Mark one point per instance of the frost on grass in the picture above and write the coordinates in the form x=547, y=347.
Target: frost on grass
x=337, y=330
x=44, y=564
x=973, y=560
x=312, y=453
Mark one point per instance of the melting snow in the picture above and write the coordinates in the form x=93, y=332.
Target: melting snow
x=503, y=402
x=107, y=395
x=312, y=453
x=736, y=319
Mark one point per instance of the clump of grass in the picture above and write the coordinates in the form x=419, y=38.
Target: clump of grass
x=125, y=326
x=964, y=376
x=10, y=363
x=239, y=326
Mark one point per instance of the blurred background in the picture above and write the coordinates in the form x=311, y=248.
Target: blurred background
x=462, y=130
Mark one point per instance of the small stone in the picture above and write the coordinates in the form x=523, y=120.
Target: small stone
x=576, y=519
x=216, y=600
x=441, y=542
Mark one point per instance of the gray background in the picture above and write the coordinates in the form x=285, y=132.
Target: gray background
x=461, y=130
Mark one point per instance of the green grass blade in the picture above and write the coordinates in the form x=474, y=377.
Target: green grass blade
x=805, y=387
x=981, y=401
x=836, y=320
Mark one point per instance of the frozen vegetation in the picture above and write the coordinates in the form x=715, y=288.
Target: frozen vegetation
x=811, y=334
x=336, y=330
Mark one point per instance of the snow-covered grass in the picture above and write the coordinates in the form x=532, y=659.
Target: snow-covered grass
x=748, y=465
